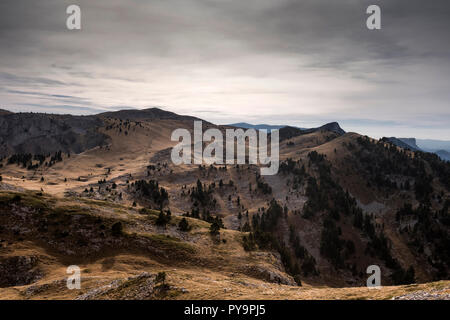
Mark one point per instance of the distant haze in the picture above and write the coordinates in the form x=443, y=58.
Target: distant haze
x=433, y=145
x=286, y=62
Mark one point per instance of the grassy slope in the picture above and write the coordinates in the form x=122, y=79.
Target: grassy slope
x=127, y=157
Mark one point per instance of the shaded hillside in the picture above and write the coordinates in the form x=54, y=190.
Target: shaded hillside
x=415, y=186
x=339, y=203
x=443, y=154
x=290, y=132
x=38, y=133
x=410, y=144
x=42, y=134
x=332, y=126
x=122, y=253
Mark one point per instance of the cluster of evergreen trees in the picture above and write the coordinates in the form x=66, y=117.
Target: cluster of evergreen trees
x=327, y=196
x=151, y=190
x=263, y=236
x=164, y=218
x=381, y=162
x=424, y=225
x=21, y=159
x=429, y=229
x=201, y=195
x=308, y=266
x=262, y=185
x=205, y=215
x=295, y=168
x=441, y=169
x=26, y=160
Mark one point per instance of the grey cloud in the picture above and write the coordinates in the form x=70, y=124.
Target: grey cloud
x=8, y=79
x=228, y=58
x=69, y=108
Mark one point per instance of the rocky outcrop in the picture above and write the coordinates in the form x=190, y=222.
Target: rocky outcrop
x=137, y=287
x=19, y=271
x=435, y=294
x=270, y=275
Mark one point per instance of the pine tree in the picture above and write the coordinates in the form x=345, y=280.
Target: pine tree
x=214, y=228
x=183, y=225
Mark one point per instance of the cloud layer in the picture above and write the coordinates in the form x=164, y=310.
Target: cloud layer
x=298, y=62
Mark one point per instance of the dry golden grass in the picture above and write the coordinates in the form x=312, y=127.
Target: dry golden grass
x=217, y=270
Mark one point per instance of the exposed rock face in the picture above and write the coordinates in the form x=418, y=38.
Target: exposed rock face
x=39, y=133
x=18, y=271
x=138, y=287
x=436, y=294
x=261, y=272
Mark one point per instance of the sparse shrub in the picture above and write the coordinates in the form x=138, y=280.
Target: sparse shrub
x=117, y=229
x=248, y=243
x=214, y=228
x=298, y=280
x=183, y=225
x=246, y=227
x=163, y=218
x=161, y=278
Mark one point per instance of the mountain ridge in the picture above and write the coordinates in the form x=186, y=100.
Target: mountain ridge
x=339, y=203
x=331, y=126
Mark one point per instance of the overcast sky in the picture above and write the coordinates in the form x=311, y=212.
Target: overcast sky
x=297, y=62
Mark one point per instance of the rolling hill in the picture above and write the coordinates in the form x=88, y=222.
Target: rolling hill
x=121, y=210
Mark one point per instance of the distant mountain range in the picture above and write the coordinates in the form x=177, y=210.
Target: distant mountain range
x=405, y=143
x=43, y=133
x=443, y=154
x=433, y=145
x=245, y=125
x=145, y=114
x=332, y=126
x=3, y=112
x=440, y=147
x=339, y=202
